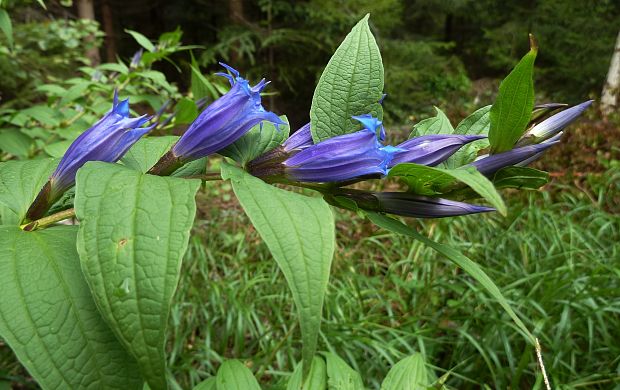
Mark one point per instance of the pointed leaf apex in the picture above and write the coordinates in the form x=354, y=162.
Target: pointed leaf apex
x=533, y=43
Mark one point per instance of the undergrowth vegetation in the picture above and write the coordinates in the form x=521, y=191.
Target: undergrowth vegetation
x=558, y=264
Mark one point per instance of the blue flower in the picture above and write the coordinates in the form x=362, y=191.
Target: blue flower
x=300, y=139
x=224, y=121
x=553, y=125
x=108, y=140
x=341, y=158
x=490, y=164
x=406, y=204
x=431, y=149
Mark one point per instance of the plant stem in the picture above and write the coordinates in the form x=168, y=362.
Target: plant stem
x=208, y=176
x=49, y=220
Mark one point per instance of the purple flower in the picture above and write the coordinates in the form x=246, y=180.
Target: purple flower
x=108, y=140
x=224, y=121
x=553, y=125
x=431, y=149
x=300, y=139
x=406, y=204
x=135, y=60
x=342, y=158
x=490, y=164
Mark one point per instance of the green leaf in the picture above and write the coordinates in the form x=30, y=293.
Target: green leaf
x=48, y=316
x=439, y=124
x=20, y=182
x=233, y=375
x=299, y=232
x=316, y=379
x=256, y=142
x=147, y=151
x=186, y=111
x=134, y=230
x=351, y=84
x=15, y=142
x=6, y=26
x=513, y=106
x=408, y=374
x=57, y=149
x=521, y=178
x=476, y=124
x=340, y=376
x=142, y=40
x=473, y=269
x=207, y=384
x=424, y=180
x=200, y=86
x=75, y=92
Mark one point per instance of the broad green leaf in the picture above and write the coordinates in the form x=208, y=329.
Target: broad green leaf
x=48, y=316
x=408, y=374
x=513, y=106
x=134, y=230
x=142, y=40
x=476, y=124
x=6, y=26
x=425, y=180
x=147, y=151
x=186, y=111
x=57, y=149
x=316, y=379
x=340, y=376
x=257, y=141
x=233, y=375
x=520, y=177
x=15, y=142
x=201, y=87
x=207, y=384
x=76, y=91
x=473, y=269
x=439, y=124
x=351, y=84
x=299, y=232
x=20, y=182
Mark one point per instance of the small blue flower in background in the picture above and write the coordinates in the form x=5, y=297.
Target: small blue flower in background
x=431, y=149
x=108, y=140
x=342, y=158
x=553, y=125
x=135, y=60
x=490, y=164
x=226, y=120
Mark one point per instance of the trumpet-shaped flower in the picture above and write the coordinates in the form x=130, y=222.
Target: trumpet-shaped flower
x=410, y=205
x=553, y=125
x=341, y=158
x=108, y=140
x=431, y=149
x=490, y=164
x=300, y=139
x=224, y=121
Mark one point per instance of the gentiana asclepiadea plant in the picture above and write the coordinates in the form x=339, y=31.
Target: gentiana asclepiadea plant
x=116, y=270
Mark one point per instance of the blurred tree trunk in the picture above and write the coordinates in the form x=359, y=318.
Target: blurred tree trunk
x=108, y=29
x=86, y=10
x=235, y=13
x=609, y=99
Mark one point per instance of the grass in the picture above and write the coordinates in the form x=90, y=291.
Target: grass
x=556, y=258
x=557, y=261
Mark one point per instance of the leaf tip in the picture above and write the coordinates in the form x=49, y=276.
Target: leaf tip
x=533, y=43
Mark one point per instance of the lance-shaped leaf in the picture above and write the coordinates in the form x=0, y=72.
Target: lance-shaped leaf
x=340, y=376
x=134, y=230
x=351, y=84
x=425, y=180
x=315, y=380
x=457, y=258
x=439, y=124
x=513, y=106
x=476, y=124
x=299, y=232
x=49, y=318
